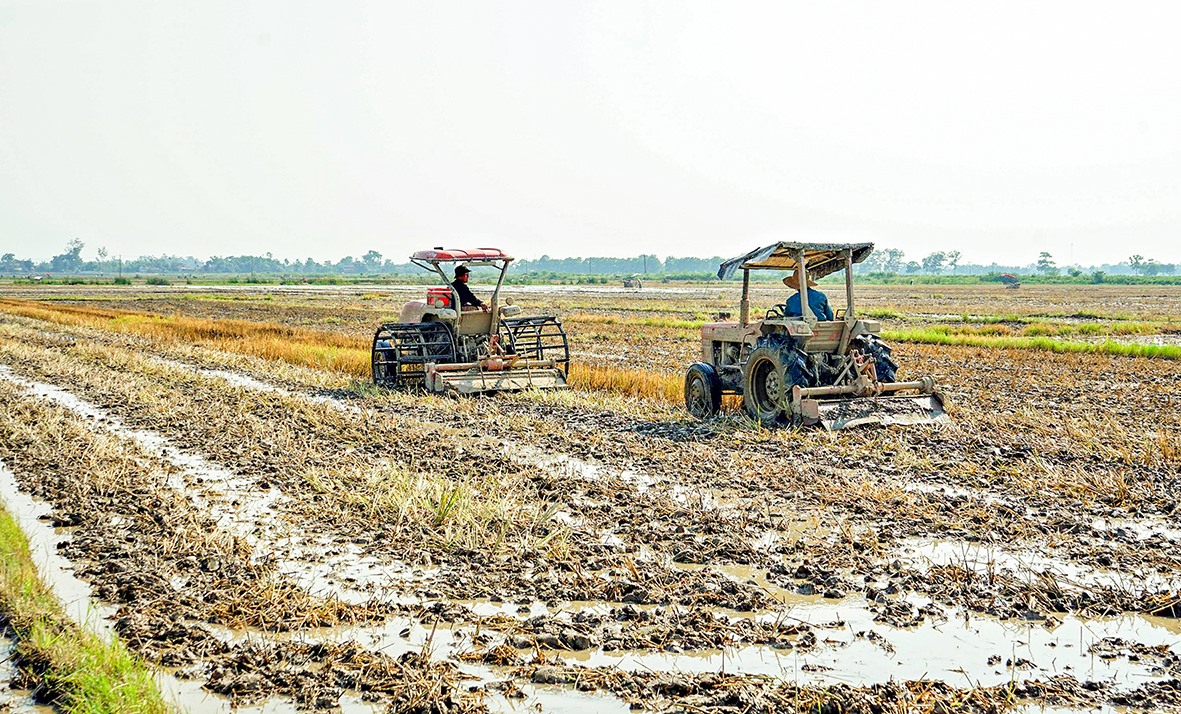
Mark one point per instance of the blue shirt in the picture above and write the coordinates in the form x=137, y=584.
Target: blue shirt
x=817, y=300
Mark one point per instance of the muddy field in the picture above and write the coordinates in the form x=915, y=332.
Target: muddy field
x=279, y=535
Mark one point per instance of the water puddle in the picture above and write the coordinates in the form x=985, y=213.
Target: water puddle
x=555, y=699
x=1026, y=565
x=964, y=652
x=856, y=650
x=572, y=467
x=963, y=492
x=1141, y=528
x=696, y=498
x=401, y=635
x=243, y=381
x=958, y=647
x=757, y=577
x=191, y=697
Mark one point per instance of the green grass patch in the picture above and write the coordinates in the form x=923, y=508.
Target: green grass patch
x=77, y=672
x=946, y=336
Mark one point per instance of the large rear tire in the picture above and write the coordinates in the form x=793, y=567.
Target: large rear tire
x=873, y=347
x=764, y=383
x=703, y=391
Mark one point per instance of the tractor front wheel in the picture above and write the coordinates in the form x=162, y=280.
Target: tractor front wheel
x=703, y=390
x=763, y=386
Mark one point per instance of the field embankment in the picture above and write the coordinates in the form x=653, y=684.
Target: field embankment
x=63, y=664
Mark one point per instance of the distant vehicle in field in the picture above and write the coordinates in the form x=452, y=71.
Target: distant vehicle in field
x=633, y=282
x=801, y=370
x=1010, y=280
x=440, y=345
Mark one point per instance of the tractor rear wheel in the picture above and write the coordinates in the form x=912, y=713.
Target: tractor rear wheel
x=764, y=383
x=873, y=347
x=703, y=390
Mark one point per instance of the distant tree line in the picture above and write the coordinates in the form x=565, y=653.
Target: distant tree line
x=891, y=261
x=885, y=262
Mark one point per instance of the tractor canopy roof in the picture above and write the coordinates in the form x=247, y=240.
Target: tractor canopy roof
x=822, y=258
x=455, y=255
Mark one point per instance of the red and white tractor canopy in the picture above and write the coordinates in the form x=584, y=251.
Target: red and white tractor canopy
x=456, y=255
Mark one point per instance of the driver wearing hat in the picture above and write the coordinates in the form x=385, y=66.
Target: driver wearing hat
x=466, y=297
x=817, y=300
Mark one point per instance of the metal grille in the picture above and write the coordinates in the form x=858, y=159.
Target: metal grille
x=401, y=352
x=541, y=338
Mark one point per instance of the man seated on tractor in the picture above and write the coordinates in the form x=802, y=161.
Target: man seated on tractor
x=817, y=300
x=466, y=297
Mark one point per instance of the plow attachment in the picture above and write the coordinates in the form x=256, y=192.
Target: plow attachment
x=843, y=407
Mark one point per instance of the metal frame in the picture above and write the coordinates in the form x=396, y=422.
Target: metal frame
x=836, y=257
x=433, y=265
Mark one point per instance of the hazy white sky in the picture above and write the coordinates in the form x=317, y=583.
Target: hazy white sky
x=570, y=128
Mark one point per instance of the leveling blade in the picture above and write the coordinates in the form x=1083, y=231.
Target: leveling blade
x=470, y=379
x=904, y=410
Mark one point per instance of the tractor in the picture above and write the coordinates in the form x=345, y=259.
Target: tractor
x=439, y=345
x=802, y=370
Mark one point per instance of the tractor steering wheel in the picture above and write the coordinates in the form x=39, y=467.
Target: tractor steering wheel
x=776, y=310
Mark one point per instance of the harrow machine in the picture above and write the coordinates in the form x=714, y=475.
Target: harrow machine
x=439, y=345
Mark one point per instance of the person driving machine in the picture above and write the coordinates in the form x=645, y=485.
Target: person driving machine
x=817, y=300
x=466, y=297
